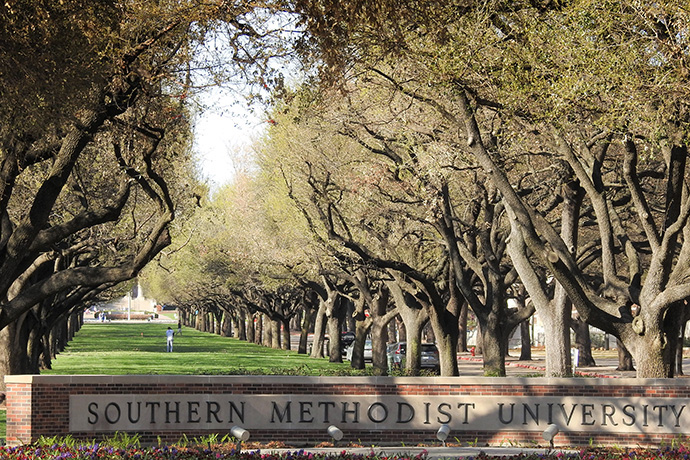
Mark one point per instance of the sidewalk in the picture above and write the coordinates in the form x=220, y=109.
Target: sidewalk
x=605, y=368
x=430, y=453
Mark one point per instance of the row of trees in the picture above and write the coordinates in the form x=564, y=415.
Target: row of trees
x=435, y=157
x=95, y=149
x=458, y=155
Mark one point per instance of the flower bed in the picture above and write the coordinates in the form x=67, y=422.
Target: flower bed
x=102, y=451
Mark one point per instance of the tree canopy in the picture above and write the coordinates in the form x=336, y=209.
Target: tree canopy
x=434, y=157
x=590, y=84
x=95, y=142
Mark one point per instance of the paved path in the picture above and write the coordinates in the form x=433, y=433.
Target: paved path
x=606, y=367
x=432, y=453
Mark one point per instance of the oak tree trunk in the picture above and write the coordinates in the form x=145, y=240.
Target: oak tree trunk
x=285, y=336
x=333, y=326
x=462, y=328
x=250, y=328
x=275, y=333
x=625, y=359
x=14, y=359
x=493, y=350
x=583, y=342
x=525, y=341
x=319, y=331
x=379, y=339
x=307, y=324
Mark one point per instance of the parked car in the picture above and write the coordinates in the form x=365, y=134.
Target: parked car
x=396, y=356
x=367, y=351
x=346, y=340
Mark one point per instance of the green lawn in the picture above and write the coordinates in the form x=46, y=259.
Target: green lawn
x=139, y=348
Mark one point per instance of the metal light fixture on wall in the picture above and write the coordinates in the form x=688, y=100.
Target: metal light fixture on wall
x=240, y=434
x=335, y=433
x=550, y=433
x=442, y=433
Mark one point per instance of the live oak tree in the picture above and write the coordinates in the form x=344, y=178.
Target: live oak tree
x=414, y=160
x=56, y=203
x=241, y=255
x=94, y=142
x=344, y=182
x=565, y=78
x=638, y=298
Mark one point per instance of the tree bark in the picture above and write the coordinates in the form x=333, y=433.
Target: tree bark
x=382, y=317
x=335, y=313
x=260, y=333
x=444, y=319
x=380, y=335
x=285, y=335
x=319, y=330
x=362, y=329
x=307, y=325
x=462, y=328
x=625, y=361
x=241, y=329
x=276, y=333
x=583, y=342
x=414, y=317
x=268, y=328
x=525, y=341
x=493, y=338
x=226, y=328
x=251, y=327
x=14, y=359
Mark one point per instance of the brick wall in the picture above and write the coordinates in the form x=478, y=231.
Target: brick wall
x=39, y=405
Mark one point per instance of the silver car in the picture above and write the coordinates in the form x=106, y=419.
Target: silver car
x=367, y=351
x=397, y=351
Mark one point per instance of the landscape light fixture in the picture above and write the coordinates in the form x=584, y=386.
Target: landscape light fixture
x=335, y=433
x=549, y=433
x=240, y=434
x=442, y=433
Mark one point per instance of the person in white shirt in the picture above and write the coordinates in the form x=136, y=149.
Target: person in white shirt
x=170, y=334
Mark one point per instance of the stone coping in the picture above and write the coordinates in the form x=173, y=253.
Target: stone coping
x=330, y=380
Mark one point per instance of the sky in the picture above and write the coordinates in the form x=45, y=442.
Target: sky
x=227, y=128
x=224, y=133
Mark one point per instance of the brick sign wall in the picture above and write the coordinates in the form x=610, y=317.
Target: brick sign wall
x=368, y=410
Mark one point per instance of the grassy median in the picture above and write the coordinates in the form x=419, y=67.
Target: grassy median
x=139, y=348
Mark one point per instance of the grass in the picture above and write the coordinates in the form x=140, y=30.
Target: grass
x=139, y=348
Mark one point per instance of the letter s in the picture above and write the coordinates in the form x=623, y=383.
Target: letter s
x=442, y=412
x=92, y=411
